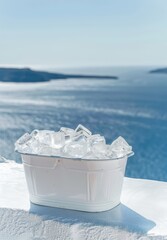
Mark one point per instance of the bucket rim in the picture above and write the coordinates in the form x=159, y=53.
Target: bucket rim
x=77, y=159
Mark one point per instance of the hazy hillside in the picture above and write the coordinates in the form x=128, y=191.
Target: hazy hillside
x=29, y=75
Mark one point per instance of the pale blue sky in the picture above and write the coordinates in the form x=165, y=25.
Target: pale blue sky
x=69, y=33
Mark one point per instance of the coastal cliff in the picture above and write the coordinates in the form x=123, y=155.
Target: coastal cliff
x=159, y=70
x=29, y=75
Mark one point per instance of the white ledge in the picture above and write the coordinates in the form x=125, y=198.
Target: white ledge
x=143, y=209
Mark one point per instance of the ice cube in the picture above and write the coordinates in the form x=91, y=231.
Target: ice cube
x=77, y=148
x=23, y=139
x=95, y=139
x=33, y=146
x=45, y=150
x=43, y=136
x=68, y=132
x=97, y=144
x=28, y=143
x=57, y=139
x=94, y=136
x=50, y=138
x=120, y=147
x=99, y=148
x=109, y=152
x=79, y=137
x=80, y=128
x=20, y=144
x=34, y=133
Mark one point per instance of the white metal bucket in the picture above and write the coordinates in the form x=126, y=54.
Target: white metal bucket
x=86, y=185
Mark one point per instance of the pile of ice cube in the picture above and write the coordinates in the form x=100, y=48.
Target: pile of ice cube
x=70, y=143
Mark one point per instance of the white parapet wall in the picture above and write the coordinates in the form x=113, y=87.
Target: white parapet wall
x=143, y=210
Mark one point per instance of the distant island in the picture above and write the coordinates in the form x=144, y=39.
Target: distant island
x=29, y=75
x=159, y=70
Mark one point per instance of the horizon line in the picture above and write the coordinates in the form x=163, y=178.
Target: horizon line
x=36, y=66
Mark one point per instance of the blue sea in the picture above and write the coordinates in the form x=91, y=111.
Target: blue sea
x=134, y=106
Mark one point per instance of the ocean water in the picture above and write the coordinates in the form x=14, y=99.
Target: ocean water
x=134, y=106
